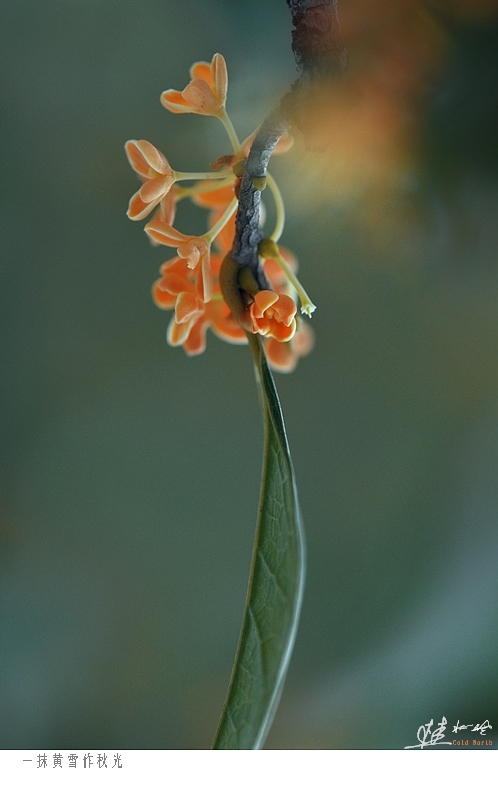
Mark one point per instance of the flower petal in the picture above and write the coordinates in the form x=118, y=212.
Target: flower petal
x=140, y=152
x=168, y=207
x=188, y=306
x=281, y=331
x=196, y=339
x=136, y=159
x=220, y=76
x=214, y=198
x=178, y=332
x=201, y=98
x=161, y=297
x=175, y=284
x=285, y=309
x=138, y=209
x=263, y=300
x=175, y=102
x=165, y=234
x=202, y=70
x=190, y=252
x=280, y=355
x=228, y=329
x=304, y=339
x=176, y=265
x=155, y=190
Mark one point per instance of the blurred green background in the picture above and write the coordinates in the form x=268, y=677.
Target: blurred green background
x=130, y=473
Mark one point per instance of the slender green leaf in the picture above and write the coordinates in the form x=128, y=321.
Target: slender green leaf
x=275, y=587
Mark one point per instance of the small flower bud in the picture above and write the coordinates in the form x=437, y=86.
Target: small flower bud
x=259, y=183
x=238, y=168
x=268, y=249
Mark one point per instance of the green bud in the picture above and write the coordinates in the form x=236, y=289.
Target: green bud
x=259, y=183
x=238, y=168
x=268, y=249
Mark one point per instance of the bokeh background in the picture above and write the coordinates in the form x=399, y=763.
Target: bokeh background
x=130, y=473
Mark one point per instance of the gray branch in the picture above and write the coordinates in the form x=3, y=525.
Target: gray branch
x=316, y=40
x=248, y=233
x=318, y=51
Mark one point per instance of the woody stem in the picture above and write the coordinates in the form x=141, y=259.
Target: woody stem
x=248, y=232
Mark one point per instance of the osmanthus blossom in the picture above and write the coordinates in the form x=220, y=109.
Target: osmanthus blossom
x=270, y=314
x=195, y=249
x=189, y=282
x=193, y=316
x=284, y=357
x=151, y=165
x=206, y=94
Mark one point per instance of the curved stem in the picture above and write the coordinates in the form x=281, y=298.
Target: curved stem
x=225, y=120
x=279, y=204
x=213, y=232
x=192, y=191
x=202, y=175
x=307, y=305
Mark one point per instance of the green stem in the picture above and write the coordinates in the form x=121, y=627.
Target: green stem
x=213, y=232
x=202, y=175
x=225, y=120
x=192, y=191
x=279, y=204
x=307, y=305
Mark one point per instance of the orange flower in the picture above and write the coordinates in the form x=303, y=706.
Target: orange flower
x=163, y=294
x=217, y=316
x=152, y=166
x=189, y=307
x=284, y=357
x=193, y=316
x=207, y=92
x=194, y=249
x=166, y=213
x=167, y=207
x=270, y=314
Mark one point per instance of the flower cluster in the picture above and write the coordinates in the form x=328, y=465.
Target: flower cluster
x=189, y=282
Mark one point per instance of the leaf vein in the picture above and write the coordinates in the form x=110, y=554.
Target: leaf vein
x=273, y=576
